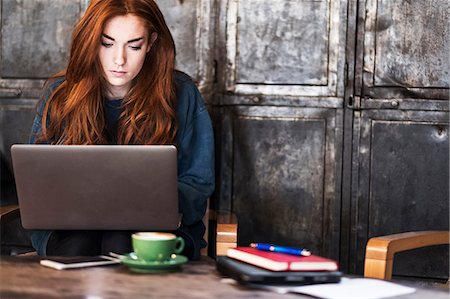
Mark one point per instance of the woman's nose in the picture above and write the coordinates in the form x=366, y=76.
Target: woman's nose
x=119, y=56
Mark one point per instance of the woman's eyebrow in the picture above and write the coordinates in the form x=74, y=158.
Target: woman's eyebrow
x=130, y=41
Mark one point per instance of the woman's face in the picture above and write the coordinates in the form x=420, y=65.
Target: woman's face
x=125, y=42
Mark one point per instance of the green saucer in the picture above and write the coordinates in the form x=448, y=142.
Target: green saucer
x=142, y=266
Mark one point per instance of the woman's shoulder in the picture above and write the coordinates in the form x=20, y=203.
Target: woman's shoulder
x=183, y=81
x=187, y=92
x=54, y=82
x=51, y=85
x=190, y=104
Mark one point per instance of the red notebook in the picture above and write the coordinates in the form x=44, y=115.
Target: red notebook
x=280, y=261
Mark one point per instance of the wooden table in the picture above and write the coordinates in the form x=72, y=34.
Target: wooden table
x=23, y=277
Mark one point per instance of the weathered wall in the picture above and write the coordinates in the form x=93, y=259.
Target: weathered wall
x=330, y=116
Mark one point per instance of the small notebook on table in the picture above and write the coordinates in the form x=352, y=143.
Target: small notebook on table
x=275, y=261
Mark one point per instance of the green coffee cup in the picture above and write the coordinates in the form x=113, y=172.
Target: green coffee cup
x=154, y=246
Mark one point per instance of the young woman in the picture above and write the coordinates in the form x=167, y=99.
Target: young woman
x=120, y=87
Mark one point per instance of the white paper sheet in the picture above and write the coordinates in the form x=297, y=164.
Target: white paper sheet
x=348, y=288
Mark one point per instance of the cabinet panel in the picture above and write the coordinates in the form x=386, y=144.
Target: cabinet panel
x=403, y=182
x=406, y=49
x=409, y=171
x=283, y=42
x=278, y=174
x=411, y=37
x=35, y=39
x=409, y=163
x=282, y=175
x=285, y=47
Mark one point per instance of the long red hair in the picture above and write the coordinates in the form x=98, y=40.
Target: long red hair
x=74, y=112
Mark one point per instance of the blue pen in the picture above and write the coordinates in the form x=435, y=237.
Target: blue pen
x=280, y=249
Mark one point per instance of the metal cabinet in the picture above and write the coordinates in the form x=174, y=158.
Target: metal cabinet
x=281, y=77
x=280, y=175
x=400, y=146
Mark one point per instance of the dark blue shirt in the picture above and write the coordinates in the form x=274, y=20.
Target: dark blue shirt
x=195, y=146
x=113, y=108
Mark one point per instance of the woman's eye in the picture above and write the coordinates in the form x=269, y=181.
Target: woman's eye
x=107, y=45
x=135, y=48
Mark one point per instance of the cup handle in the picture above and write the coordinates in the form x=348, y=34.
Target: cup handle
x=179, y=246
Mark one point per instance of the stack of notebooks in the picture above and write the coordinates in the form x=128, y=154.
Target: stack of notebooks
x=249, y=265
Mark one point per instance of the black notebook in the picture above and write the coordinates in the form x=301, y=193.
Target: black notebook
x=248, y=274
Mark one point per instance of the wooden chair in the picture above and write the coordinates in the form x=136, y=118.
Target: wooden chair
x=380, y=251
x=8, y=213
x=221, y=228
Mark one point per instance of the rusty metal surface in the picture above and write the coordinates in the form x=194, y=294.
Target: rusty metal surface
x=406, y=48
x=400, y=149
x=412, y=36
x=401, y=74
x=407, y=104
x=291, y=101
x=278, y=176
x=284, y=47
x=282, y=174
x=35, y=39
x=283, y=42
x=401, y=164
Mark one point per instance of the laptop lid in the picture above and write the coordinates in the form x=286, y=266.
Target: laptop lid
x=102, y=187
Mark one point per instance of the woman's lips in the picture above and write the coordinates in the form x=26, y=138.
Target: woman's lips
x=118, y=73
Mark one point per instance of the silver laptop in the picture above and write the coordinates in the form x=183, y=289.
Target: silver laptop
x=101, y=187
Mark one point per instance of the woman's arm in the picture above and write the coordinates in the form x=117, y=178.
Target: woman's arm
x=195, y=143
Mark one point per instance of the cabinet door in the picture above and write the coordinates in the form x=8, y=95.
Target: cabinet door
x=402, y=184
x=400, y=130
x=281, y=86
x=283, y=47
x=405, y=49
x=279, y=169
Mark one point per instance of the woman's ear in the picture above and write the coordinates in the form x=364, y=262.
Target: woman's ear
x=153, y=37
